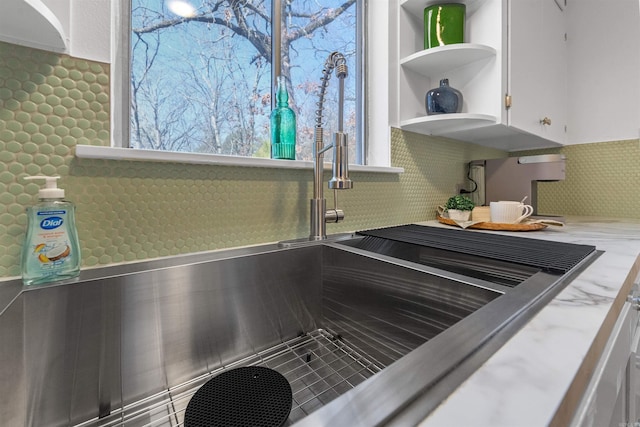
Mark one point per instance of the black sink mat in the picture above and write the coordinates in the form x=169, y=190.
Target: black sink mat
x=253, y=396
x=550, y=257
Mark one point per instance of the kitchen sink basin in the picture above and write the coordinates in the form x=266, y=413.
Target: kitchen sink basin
x=388, y=309
x=491, y=271
x=364, y=330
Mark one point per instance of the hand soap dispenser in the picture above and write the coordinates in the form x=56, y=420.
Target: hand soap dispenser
x=51, y=249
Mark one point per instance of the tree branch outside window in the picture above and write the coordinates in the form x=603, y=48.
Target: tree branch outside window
x=202, y=83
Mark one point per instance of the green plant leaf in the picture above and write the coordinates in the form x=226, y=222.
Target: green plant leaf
x=461, y=203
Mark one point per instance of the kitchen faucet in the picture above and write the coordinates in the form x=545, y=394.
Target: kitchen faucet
x=340, y=180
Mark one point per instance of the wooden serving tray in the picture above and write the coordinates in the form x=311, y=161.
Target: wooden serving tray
x=496, y=225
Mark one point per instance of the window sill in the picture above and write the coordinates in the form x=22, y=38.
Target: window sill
x=114, y=153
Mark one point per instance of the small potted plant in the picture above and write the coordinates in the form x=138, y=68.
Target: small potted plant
x=459, y=208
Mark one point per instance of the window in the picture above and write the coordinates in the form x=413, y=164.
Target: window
x=201, y=73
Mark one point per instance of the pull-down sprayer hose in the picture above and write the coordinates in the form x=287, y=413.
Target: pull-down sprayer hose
x=338, y=61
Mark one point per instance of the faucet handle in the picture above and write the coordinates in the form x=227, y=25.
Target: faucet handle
x=334, y=215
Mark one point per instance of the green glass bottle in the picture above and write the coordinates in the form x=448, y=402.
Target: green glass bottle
x=283, y=125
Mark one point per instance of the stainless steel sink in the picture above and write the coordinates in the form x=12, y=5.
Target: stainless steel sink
x=486, y=270
x=463, y=308
x=365, y=337
x=387, y=308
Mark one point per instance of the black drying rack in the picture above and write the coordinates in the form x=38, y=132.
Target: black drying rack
x=549, y=256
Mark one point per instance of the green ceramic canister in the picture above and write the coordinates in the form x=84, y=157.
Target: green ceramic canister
x=444, y=24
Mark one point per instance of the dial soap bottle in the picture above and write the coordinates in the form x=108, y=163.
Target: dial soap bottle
x=51, y=249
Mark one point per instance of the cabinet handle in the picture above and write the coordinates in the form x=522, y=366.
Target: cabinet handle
x=545, y=121
x=634, y=300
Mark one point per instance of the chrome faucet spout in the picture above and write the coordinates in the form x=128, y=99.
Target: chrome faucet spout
x=340, y=180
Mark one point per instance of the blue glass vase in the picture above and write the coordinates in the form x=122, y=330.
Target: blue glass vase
x=443, y=99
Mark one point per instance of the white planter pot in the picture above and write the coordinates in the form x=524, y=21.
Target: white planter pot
x=457, y=215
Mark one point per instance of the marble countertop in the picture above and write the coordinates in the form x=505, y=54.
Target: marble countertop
x=533, y=378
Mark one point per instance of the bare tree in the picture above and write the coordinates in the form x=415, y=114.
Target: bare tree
x=221, y=98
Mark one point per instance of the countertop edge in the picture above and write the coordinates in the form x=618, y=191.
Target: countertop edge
x=568, y=406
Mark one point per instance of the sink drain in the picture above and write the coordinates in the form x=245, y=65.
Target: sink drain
x=246, y=396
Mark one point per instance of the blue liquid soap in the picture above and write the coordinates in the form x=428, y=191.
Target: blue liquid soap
x=51, y=249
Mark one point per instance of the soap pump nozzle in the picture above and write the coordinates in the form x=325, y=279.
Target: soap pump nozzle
x=50, y=189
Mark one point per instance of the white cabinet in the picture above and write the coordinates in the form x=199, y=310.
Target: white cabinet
x=612, y=397
x=537, y=73
x=80, y=28
x=513, y=48
x=35, y=23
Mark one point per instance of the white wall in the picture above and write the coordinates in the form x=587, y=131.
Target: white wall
x=604, y=70
x=380, y=103
x=90, y=30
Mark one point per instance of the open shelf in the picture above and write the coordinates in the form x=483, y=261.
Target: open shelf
x=31, y=23
x=437, y=60
x=443, y=124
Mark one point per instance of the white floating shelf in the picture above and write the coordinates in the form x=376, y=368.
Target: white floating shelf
x=31, y=23
x=444, y=124
x=437, y=60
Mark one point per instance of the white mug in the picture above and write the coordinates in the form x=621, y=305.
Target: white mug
x=506, y=212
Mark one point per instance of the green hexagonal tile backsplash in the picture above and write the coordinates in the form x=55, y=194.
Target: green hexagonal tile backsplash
x=129, y=211
x=602, y=180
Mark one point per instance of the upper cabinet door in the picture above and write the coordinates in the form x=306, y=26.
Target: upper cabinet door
x=537, y=68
